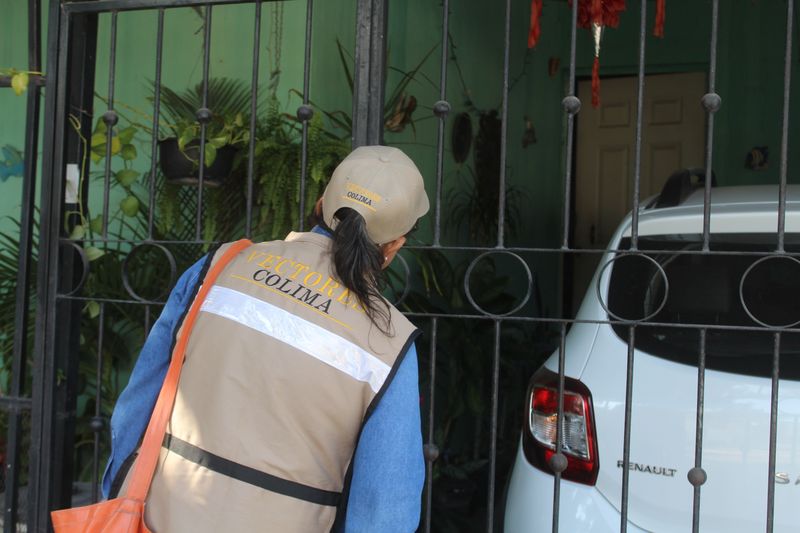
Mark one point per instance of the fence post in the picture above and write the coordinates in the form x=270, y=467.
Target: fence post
x=369, y=72
x=71, y=52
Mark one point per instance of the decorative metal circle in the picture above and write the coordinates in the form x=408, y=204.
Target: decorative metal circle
x=305, y=112
x=97, y=424
x=697, y=476
x=468, y=275
x=712, y=102
x=431, y=452
x=441, y=108
x=204, y=115
x=406, y=285
x=571, y=104
x=558, y=462
x=749, y=308
x=84, y=262
x=126, y=282
x=110, y=117
x=605, y=306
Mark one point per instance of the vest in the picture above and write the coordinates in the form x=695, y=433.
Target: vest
x=282, y=370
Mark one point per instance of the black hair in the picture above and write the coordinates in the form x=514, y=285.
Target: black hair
x=358, y=262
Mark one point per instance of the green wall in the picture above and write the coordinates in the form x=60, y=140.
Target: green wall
x=13, y=54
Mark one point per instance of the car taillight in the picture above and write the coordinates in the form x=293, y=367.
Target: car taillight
x=578, y=438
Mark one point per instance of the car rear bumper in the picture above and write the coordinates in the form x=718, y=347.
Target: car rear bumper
x=529, y=508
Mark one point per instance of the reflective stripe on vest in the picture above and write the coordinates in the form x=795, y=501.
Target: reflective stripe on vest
x=306, y=336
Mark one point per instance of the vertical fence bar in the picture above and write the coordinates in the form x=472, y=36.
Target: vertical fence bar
x=431, y=452
x=559, y=427
x=204, y=116
x=96, y=423
x=773, y=428
x=22, y=311
x=571, y=105
x=44, y=371
x=368, y=72
x=156, y=112
x=110, y=119
x=251, y=151
x=711, y=101
x=697, y=475
x=493, y=428
x=626, y=443
x=147, y=320
x=501, y=202
x=787, y=81
x=637, y=157
x=306, y=116
x=441, y=110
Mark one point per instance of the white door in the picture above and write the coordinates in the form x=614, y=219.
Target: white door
x=673, y=138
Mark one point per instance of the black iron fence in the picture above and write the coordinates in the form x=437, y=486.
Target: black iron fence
x=76, y=303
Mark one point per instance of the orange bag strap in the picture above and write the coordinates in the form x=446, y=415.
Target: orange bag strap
x=154, y=436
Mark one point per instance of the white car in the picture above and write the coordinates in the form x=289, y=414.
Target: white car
x=702, y=289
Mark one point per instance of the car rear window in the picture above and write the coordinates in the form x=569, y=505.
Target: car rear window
x=703, y=289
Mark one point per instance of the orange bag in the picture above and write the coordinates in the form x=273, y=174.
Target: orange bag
x=126, y=513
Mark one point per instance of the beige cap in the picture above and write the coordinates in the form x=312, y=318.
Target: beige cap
x=383, y=185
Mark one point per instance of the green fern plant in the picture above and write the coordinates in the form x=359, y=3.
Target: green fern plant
x=278, y=154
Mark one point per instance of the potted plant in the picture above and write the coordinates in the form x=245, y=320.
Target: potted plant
x=227, y=130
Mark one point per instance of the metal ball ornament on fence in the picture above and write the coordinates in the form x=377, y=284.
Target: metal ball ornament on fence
x=97, y=424
x=441, y=108
x=697, y=476
x=204, y=115
x=571, y=104
x=558, y=463
x=110, y=117
x=305, y=113
x=431, y=452
x=711, y=102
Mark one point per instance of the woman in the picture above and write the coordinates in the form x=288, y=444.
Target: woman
x=298, y=404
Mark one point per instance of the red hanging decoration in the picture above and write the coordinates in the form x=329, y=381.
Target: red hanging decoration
x=661, y=15
x=596, y=12
x=603, y=12
x=596, y=82
x=594, y=15
x=536, y=29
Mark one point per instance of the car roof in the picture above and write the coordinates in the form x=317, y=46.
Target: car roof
x=745, y=208
x=743, y=195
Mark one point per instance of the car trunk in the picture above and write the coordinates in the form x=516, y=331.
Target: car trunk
x=735, y=452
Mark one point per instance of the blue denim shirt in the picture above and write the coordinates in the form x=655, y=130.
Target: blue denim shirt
x=388, y=467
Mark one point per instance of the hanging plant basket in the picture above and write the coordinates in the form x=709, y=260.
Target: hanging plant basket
x=182, y=167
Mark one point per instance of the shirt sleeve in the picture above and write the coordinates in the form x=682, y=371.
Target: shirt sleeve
x=136, y=402
x=388, y=467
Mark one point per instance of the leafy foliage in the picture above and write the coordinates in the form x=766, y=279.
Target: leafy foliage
x=19, y=78
x=9, y=268
x=229, y=101
x=278, y=152
x=398, y=107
